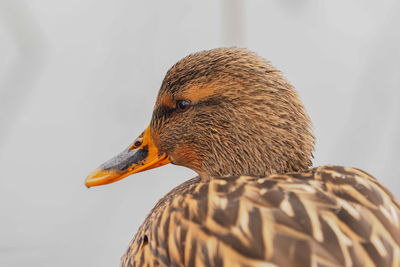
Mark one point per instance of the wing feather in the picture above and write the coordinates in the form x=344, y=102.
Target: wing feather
x=327, y=216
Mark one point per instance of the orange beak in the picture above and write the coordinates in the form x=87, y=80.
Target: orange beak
x=142, y=155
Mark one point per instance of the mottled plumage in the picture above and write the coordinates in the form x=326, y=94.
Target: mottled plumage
x=327, y=216
x=230, y=116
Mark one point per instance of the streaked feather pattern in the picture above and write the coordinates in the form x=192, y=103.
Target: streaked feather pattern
x=327, y=216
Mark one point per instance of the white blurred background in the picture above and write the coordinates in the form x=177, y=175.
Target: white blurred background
x=78, y=80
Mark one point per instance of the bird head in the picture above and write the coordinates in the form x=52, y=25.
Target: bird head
x=220, y=112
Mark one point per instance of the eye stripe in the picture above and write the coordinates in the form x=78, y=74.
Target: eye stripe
x=209, y=102
x=162, y=112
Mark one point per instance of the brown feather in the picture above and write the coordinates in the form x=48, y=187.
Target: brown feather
x=247, y=125
x=295, y=219
x=245, y=119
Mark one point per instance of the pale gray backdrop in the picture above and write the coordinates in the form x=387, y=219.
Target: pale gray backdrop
x=78, y=80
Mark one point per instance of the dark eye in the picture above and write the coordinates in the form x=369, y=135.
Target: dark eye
x=182, y=105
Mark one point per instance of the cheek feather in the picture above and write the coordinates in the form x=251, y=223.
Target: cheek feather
x=186, y=156
x=156, y=140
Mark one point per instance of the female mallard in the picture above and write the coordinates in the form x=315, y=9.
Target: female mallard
x=230, y=116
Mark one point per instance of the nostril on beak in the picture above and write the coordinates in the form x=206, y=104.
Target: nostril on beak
x=138, y=142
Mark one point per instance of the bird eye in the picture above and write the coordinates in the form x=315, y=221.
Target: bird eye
x=182, y=105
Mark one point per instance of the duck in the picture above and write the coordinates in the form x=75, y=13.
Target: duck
x=234, y=119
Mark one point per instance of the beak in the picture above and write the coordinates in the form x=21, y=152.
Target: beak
x=140, y=156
